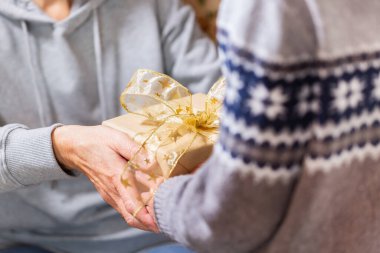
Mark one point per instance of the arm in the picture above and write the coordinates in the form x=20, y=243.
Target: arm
x=238, y=199
x=33, y=156
x=27, y=157
x=190, y=56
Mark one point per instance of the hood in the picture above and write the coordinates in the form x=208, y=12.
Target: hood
x=27, y=11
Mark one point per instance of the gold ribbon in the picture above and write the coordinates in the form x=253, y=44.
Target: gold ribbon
x=167, y=106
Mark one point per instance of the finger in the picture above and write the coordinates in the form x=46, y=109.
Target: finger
x=102, y=182
x=133, y=202
x=129, y=218
x=107, y=190
x=119, y=165
x=108, y=198
x=148, y=180
x=110, y=184
x=123, y=144
x=128, y=148
x=135, y=152
x=107, y=195
x=115, y=201
x=151, y=183
x=135, y=212
x=150, y=208
x=148, y=197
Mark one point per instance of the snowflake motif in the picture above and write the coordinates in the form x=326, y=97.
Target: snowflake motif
x=263, y=101
x=348, y=94
x=308, y=99
x=235, y=84
x=376, y=90
x=259, y=94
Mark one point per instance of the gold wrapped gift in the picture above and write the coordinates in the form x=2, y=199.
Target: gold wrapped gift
x=175, y=128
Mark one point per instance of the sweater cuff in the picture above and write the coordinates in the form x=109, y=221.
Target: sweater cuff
x=29, y=156
x=165, y=203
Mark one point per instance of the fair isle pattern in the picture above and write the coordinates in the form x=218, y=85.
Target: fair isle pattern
x=258, y=173
x=321, y=114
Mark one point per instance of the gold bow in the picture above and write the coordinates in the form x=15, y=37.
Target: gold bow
x=176, y=122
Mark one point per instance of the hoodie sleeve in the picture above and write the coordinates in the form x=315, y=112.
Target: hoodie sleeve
x=237, y=201
x=27, y=157
x=190, y=56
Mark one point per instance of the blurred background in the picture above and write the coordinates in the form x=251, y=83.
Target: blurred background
x=207, y=11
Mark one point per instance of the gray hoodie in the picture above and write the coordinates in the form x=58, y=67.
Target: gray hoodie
x=72, y=72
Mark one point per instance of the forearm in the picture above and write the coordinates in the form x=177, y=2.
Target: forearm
x=26, y=157
x=224, y=207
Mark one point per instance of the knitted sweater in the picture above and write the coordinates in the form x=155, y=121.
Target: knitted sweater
x=296, y=165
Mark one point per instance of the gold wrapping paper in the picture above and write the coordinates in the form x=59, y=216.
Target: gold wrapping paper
x=176, y=129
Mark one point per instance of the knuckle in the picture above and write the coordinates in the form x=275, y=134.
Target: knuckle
x=115, y=179
x=129, y=219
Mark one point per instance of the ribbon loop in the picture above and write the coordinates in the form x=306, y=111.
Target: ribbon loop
x=167, y=106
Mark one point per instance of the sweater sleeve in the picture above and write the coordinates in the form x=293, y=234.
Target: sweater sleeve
x=238, y=200
x=27, y=157
x=190, y=56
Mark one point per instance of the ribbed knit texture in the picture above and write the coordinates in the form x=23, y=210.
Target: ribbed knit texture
x=32, y=160
x=163, y=216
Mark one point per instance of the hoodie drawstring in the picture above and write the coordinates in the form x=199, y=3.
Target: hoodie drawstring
x=38, y=89
x=36, y=86
x=99, y=64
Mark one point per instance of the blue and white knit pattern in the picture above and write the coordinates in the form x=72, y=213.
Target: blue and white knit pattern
x=315, y=114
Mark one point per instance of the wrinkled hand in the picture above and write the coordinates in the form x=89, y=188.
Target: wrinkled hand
x=101, y=153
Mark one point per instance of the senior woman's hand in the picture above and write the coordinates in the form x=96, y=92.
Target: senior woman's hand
x=102, y=153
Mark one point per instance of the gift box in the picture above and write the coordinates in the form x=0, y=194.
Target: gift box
x=176, y=129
